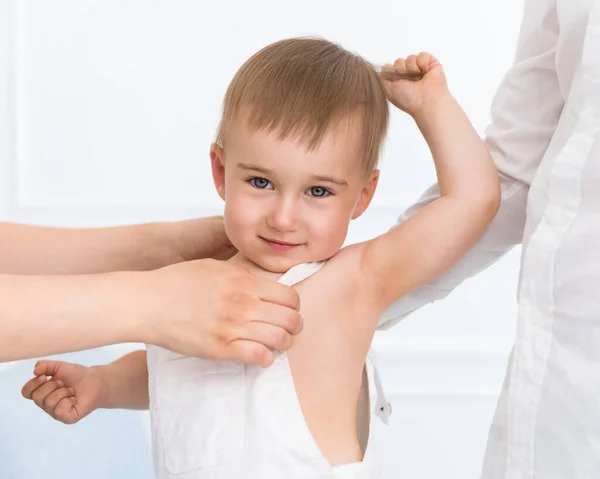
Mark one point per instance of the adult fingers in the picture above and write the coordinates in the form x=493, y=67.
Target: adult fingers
x=250, y=352
x=273, y=337
x=277, y=293
x=274, y=314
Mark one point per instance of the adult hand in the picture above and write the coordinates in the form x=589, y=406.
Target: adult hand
x=216, y=310
x=196, y=239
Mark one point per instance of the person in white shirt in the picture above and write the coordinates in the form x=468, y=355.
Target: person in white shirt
x=545, y=141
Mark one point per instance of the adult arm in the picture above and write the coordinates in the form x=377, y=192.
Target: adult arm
x=204, y=308
x=28, y=249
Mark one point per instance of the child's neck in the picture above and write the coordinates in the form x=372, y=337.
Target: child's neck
x=241, y=260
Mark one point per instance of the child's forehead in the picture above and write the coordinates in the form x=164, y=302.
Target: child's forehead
x=342, y=138
x=296, y=154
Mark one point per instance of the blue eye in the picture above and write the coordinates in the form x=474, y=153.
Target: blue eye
x=318, y=192
x=260, y=183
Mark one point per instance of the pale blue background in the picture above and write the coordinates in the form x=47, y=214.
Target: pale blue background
x=105, y=445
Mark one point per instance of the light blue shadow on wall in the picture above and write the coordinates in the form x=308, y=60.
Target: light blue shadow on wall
x=108, y=444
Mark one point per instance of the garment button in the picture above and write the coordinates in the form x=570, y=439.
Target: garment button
x=383, y=410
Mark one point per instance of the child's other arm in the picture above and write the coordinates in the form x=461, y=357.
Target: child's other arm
x=69, y=392
x=126, y=382
x=436, y=237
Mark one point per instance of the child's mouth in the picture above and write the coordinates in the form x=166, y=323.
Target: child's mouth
x=279, y=245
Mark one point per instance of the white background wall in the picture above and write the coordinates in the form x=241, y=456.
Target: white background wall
x=107, y=109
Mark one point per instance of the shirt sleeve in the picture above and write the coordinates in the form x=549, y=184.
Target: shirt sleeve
x=525, y=112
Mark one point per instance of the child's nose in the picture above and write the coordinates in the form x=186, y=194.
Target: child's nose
x=284, y=216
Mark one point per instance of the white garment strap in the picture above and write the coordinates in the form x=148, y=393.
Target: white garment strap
x=300, y=272
x=383, y=408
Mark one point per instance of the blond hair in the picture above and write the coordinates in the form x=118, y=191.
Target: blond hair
x=301, y=87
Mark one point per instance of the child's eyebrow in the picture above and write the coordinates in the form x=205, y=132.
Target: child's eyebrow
x=330, y=179
x=260, y=169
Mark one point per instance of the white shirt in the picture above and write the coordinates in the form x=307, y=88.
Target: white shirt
x=545, y=140
x=224, y=420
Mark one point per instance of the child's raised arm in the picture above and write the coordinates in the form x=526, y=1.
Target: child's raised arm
x=435, y=238
x=74, y=391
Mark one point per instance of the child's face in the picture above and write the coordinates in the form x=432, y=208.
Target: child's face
x=285, y=205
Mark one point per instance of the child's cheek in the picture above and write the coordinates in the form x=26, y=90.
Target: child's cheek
x=242, y=213
x=330, y=230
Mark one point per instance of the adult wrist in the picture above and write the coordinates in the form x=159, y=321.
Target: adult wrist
x=134, y=305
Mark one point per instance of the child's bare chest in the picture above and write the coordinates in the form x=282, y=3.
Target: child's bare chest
x=327, y=362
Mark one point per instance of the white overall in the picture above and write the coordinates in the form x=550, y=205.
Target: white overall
x=224, y=420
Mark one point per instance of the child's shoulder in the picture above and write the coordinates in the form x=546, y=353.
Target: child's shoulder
x=339, y=283
x=343, y=270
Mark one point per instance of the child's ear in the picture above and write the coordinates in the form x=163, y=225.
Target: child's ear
x=366, y=195
x=218, y=169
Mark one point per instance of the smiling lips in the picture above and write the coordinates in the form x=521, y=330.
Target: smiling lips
x=279, y=245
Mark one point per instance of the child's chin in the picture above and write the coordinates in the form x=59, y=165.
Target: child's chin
x=276, y=265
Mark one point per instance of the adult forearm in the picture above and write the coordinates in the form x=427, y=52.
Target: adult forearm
x=43, y=315
x=126, y=382
x=26, y=249
x=192, y=308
